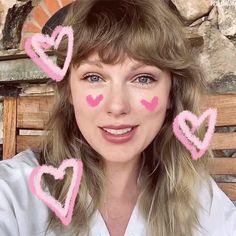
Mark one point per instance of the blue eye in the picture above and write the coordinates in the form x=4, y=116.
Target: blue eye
x=93, y=78
x=145, y=79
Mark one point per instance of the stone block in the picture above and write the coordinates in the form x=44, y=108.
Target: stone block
x=225, y=84
x=37, y=89
x=227, y=16
x=218, y=57
x=13, y=24
x=193, y=9
x=5, y=5
x=21, y=70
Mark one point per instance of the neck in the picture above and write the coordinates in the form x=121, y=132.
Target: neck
x=121, y=180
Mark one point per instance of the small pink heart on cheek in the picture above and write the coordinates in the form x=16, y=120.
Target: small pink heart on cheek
x=151, y=106
x=94, y=102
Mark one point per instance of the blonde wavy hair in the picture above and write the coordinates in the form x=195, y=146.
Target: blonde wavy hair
x=148, y=31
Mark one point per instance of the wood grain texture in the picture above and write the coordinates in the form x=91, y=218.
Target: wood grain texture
x=225, y=105
x=34, y=112
x=28, y=141
x=223, y=141
x=9, y=127
x=223, y=165
x=229, y=189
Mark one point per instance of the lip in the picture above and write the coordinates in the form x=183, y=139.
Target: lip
x=119, y=139
x=123, y=126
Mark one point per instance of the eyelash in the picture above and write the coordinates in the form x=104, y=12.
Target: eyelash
x=144, y=75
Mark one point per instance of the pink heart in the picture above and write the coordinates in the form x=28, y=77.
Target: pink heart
x=94, y=102
x=36, y=45
x=64, y=213
x=186, y=136
x=150, y=105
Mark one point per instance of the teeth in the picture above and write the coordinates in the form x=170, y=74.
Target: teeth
x=118, y=131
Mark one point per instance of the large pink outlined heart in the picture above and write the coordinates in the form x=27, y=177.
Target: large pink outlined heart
x=35, y=46
x=64, y=213
x=186, y=136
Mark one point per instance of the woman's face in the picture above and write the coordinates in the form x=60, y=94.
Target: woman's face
x=119, y=108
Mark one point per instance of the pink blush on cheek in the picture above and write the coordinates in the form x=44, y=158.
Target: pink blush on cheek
x=94, y=102
x=151, y=106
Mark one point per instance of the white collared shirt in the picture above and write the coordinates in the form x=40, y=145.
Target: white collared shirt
x=22, y=213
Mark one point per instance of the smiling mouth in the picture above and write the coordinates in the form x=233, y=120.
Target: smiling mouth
x=118, y=131
x=118, y=136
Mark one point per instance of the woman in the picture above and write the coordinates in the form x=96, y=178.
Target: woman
x=131, y=74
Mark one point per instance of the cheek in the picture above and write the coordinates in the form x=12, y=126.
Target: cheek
x=150, y=105
x=153, y=125
x=83, y=99
x=81, y=108
x=94, y=101
x=154, y=118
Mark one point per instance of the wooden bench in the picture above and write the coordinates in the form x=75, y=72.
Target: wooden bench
x=32, y=113
x=24, y=114
x=226, y=117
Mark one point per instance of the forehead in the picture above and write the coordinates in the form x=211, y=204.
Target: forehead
x=123, y=61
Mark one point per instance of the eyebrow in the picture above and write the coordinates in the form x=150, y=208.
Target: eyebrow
x=92, y=63
x=99, y=64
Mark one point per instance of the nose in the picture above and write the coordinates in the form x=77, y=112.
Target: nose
x=117, y=101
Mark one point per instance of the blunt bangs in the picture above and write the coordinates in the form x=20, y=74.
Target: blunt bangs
x=115, y=32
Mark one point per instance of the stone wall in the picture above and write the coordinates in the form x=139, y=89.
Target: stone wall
x=210, y=26
x=19, y=76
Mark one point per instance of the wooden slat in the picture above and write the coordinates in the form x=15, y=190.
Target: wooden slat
x=28, y=141
x=9, y=127
x=229, y=189
x=34, y=112
x=223, y=141
x=226, y=108
x=32, y=120
x=223, y=166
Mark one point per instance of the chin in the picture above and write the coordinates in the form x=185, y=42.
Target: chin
x=119, y=158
